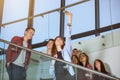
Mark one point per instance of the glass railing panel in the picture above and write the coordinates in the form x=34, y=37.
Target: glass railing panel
x=3, y=73
x=82, y=74
x=101, y=42
x=105, y=47
x=40, y=69
x=44, y=66
x=39, y=66
x=46, y=72
x=116, y=37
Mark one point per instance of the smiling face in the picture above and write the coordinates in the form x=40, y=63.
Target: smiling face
x=50, y=44
x=74, y=59
x=29, y=34
x=83, y=58
x=97, y=65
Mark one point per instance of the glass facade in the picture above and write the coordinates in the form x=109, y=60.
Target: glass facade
x=48, y=25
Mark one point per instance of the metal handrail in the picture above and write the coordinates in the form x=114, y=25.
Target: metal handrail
x=44, y=13
x=66, y=62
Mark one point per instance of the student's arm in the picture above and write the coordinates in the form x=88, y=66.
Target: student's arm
x=68, y=33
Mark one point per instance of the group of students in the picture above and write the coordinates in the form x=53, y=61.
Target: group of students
x=78, y=58
x=17, y=60
x=82, y=59
x=61, y=48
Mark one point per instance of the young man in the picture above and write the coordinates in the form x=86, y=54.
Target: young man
x=17, y=59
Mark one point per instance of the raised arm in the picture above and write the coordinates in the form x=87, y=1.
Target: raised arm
x=68, y=47
x=68, y=33
x=69, y=14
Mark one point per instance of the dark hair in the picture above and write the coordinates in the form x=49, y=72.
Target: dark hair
x=28, y=28
x=87, y=61
x=101, y=65
x=75, y=49
x=52, y=46
x=50, y=40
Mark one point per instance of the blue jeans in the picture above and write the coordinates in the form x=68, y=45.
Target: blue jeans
x=16, y=72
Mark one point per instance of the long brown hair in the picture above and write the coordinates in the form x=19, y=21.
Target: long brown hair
x=54, y=50
x=101, y=65
x=87, y=59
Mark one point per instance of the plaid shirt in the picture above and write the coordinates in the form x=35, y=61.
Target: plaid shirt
x=13, y=52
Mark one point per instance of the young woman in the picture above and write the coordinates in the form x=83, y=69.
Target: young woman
x=82, y=74
x=50, y=46
x=84, y=59
x=99, y=66
x=75, y=59
x=45, y=62
x=62, y=50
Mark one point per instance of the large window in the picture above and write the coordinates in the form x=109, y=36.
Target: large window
x=83, y=17
x=46, y=26
x=109, y=13
x=14, y=10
